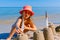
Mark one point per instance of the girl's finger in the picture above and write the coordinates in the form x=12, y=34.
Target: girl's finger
x=17, y=31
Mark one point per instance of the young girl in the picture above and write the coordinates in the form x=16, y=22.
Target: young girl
x=26, y=14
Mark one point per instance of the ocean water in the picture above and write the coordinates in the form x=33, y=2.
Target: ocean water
x=8, y=15
x=5, y=11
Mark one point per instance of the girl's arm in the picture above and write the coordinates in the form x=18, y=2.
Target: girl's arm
x=32, y=26
x=18, y=22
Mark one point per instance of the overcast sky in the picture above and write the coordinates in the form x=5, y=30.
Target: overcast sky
x=34, y=3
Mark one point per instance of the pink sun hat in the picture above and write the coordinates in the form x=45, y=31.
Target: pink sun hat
x=27, y=8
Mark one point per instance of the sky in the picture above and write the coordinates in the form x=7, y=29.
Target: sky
x=34, y=3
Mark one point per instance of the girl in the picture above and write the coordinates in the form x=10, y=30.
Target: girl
x=26, y=14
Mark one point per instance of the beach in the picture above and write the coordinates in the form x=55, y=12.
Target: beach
x=9, y=17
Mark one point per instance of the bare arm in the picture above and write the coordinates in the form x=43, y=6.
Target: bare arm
x=18, y=22
x=32, y=26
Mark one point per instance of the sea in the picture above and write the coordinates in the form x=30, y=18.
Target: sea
x=9, y=15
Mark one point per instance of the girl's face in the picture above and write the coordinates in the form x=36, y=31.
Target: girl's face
x=26, y=15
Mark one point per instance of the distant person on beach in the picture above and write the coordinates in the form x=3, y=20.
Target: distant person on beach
x=26, y=14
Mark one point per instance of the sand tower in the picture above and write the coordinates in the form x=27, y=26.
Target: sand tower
x=38, y=35
x=51, y=25
x=22, y=37
x=48, y=34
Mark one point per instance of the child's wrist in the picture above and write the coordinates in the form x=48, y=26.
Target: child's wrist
x=17, y=28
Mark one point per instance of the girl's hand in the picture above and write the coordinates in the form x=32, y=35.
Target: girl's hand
x=19, y=31
x=27, y=27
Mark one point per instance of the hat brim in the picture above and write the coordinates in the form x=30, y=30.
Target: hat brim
x=32, y=13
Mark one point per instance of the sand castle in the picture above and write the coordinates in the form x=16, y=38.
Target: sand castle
x=38, y=35
x=51, y=25
x=48, y=34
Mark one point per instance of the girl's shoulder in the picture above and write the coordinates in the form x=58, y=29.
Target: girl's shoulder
x=20, y=17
